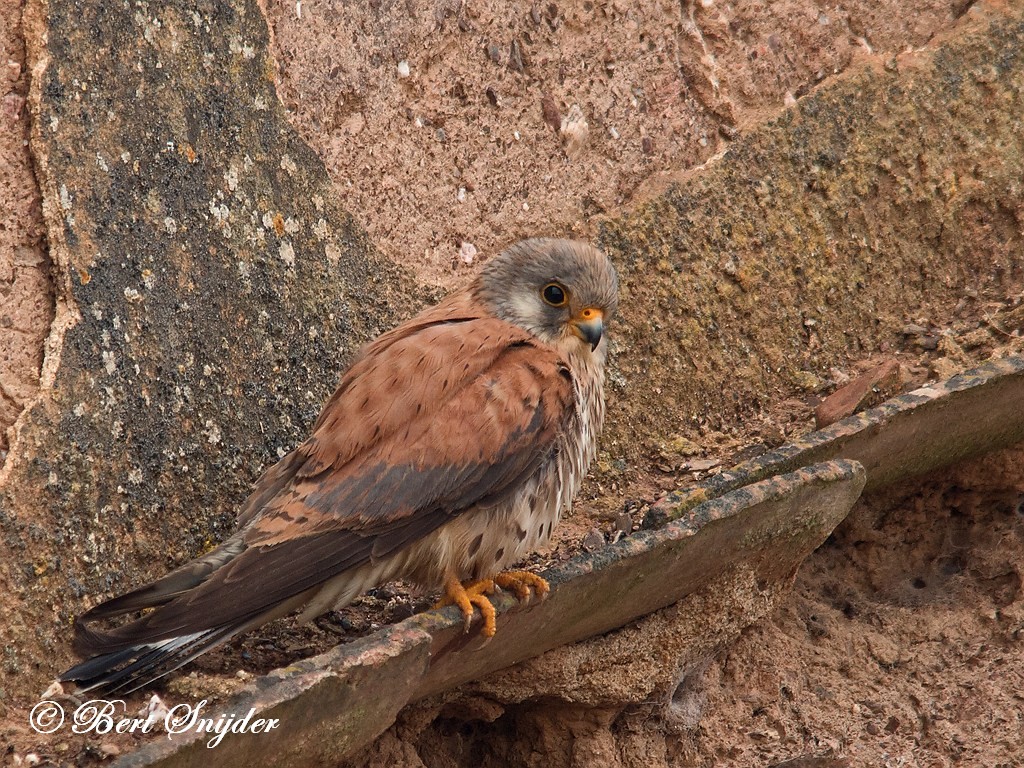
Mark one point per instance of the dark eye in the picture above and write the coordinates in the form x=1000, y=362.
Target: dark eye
x=554, y=294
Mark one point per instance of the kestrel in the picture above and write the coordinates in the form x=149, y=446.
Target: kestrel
x=449, y=450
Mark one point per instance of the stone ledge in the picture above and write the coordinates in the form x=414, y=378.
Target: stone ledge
x=333, y=704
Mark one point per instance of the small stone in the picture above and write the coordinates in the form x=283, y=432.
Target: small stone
x=806, y=380
x=877, y=384
x=403, y=69
x=624, y=522
x=401, y=612
x=593, y=541
x=703, y=465
x=467, y=253
x=550, y=112
x=944, y=368
x=516, y=61
x=108, y=750
x=574, y=130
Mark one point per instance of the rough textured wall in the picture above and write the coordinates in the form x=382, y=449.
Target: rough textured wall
x=26, y=300
x=814, y=239
x=209, y=291
x=517, y=118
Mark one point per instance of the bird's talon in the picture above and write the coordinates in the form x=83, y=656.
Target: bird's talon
x=488, y=613
x=468, y=595
x=521, y=583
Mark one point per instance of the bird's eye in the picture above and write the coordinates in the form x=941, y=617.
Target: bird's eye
x=554, y=294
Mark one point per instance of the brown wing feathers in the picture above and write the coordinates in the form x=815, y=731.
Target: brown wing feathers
x=391, y=458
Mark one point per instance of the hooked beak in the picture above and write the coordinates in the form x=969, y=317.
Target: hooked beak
x=589, y=326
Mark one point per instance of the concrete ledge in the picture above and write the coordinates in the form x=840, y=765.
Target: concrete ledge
x=333, y=704
x=931, y=427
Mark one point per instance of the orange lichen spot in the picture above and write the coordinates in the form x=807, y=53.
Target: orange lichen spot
x=279, y=224
x=188, y=152
x=83, y=276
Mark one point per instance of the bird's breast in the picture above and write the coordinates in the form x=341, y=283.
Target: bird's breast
x=481, y=542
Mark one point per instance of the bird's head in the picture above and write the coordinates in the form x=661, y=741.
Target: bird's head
x=558, y=290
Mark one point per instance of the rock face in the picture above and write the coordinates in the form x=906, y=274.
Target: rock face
x=895, y=184
x=26, y=301
x=209, y=290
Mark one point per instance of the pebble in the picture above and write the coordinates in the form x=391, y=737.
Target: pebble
x=574, y=130
x=624, y=522
x=550, y=112
x=400, y=612
x=880, y=382
x=108, y=749
x=467, y=253
x=594, y=540
x=403, y=69
x=703, y=465
x=516, y=62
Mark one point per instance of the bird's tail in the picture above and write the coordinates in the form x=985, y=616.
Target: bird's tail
x=123, y=658
x=128, y=669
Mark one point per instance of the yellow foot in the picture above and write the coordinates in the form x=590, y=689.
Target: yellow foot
x=475, y=593
x=466, y=596
x=520, y=583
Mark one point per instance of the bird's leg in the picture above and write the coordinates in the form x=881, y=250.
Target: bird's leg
x=475, y=593
x=466, y=596
x=520, y=583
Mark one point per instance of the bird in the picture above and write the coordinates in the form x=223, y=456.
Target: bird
x=449, y=450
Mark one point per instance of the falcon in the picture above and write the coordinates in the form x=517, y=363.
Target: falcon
x=449, y=450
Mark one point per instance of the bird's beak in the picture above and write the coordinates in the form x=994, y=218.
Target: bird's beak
x=589, y=326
